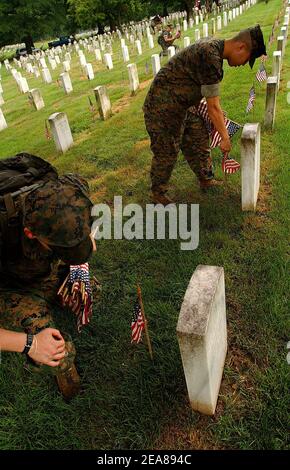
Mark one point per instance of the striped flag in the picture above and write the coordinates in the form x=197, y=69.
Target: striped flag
x=261, y=75
x=137, y=323
x=252, y=97
x=76, y=293
x=232, y=127
x=229, y=165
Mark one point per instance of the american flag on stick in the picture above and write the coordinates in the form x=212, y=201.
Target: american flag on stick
x=261, y=75
x=76, y=293
x=137, y=323
x=252, y=97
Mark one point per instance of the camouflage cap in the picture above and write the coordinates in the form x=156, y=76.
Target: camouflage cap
x=258, y=45
x=60, y=212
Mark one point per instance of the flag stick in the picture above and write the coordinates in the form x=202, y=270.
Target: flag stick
x=145, y=322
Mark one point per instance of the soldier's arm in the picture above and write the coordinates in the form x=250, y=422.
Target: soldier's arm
x=12, y=341
x=216, y=116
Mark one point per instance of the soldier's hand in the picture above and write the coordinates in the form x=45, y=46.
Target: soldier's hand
x=48, y=347
x=225, y=145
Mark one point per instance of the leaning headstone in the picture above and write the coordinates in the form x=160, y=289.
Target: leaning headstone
x=60, y=131
x=89, y=71
x=270, y=108
x=103, y=102
x=202, y=337
x=133, y=78
x=46, y=75
x=66, y=82
x=3, y=123
x=276, y=66
x=36, y=99
x=250, y=165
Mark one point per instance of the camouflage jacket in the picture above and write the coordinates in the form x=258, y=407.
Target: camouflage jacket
x=193, y=73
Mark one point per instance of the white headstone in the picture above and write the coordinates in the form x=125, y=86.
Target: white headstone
x=250, y=165
x=184, y=25
x=225, y=18
x=3, y=123
x=46, y=75
x=52, y=64
x=43, y=62
x=205, y=30
x=66, y=66
x=61, y=132
x=197, y=34
x=66, y=82
x=108, y=61
x=83, y=60
x=89, y=71
x=270, y=108
x=276, y=67
x=1, y=89
x=98, y=54
x=155, y=59
x=138, y=46
x=171, y=51
x=103, y=102
x=133, y=77
x=196, y=20
x=219, y=23
x=1, y=99
x=36, y=99
x=150, y=41
x=125, y=54
x=202, y=337
x=24, y=88
x=186, y=41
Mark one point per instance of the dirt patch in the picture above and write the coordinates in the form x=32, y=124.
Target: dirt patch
x=144, y=85
x=121, y=104
x=141, y=144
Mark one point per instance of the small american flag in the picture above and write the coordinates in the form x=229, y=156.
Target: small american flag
x=261, y=75
x=137, y=323
x=76, y=293
x=229, y=165
x=232, y=127
x=252, y=97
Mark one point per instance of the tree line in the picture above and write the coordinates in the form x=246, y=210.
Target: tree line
x=32, y=20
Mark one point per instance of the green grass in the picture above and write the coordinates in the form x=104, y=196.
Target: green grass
x=128, y=401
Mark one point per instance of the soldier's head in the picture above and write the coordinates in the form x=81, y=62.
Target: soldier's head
x=245, y=47
x=58, y=215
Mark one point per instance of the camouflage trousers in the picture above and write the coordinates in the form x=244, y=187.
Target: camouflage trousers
x=32, y=309
x=192, y=139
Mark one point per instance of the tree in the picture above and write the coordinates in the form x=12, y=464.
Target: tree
x=28, y=20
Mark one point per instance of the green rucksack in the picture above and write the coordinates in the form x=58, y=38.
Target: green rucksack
x=20, y=174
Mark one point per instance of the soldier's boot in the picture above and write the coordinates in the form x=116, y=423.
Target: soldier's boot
x=69, y=382
x=161, y=198
x=209, y=183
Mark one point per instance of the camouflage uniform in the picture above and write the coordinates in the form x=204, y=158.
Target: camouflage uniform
x=164, y=44
x=169, y=110
x=59, y=212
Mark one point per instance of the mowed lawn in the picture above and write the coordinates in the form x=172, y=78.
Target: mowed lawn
x=128, y=401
